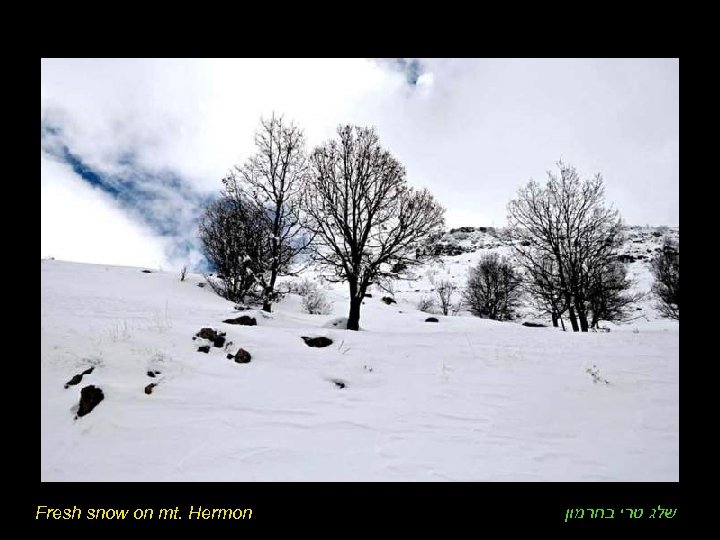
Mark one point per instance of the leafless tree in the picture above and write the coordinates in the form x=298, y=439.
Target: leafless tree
x=445, y=290
x=608, y=296
x=665, y=267
x=542, y=284
x=566, y=221
x=493, y=288
x=233, y=232
x=274, y=177
x=366, y=218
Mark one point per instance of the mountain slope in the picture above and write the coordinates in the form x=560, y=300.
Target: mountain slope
x=463, y=399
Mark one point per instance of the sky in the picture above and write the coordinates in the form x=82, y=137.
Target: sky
x=132, y=149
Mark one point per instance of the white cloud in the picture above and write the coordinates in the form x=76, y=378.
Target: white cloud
x=80, y=223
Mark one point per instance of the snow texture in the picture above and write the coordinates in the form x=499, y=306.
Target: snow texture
x=466, y=399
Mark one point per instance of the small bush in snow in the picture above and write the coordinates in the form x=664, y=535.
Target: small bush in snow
x=315, y=302
x=302, y=286
x=426, y=304
x=183, y=273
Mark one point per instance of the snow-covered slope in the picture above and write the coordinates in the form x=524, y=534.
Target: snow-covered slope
x=463, y=399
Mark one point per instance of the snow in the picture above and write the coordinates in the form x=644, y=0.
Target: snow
x=465, y=399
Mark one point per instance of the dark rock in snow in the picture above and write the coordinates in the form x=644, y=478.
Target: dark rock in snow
x=241, y=357
x=219, y=341
x=201, y=285
x=146, y=271
x=625, y=258
x=151, y=374
x=388, y=300
x=207, y=333
x=204, y=348
x=431, y=319
x=245, y=320
x=90, y=396
x=149, y=388
x=534, y=324
x=319, y=341
x=88, y=371
x=338, y=383
x=75, y=380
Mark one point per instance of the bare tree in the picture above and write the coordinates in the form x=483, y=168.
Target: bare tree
x=608, y=298
x=445, y=290
x=665, y=267
x=233, y=233
x=542, y=284
x=493, y=288
x=274, y=177
x=367, y=220
x=566, y=221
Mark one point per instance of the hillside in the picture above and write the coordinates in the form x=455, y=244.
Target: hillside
x=464, y=399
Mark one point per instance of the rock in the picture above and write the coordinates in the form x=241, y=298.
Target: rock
x=219, y=341
x=149, y=388
x=151, y=374
x=204, y=348
x=534, y=324
x=90, y=396
x=625, y=258
x=338, y=383
x=75, y=380
x=431, y=319
x=207, y=333
x=88, y=371
x=241, y=357
x=319, y=341
x=146, y=271
x=244, y=320
x=201, y=285
x=230, y=356
x=388, y=300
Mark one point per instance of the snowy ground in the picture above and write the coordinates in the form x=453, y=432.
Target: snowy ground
x=464, y=399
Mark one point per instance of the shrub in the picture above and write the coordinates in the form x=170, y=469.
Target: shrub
x=315, y=302
x=493, y=288
x=426, y=304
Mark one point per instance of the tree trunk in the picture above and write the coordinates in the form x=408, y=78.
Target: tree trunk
x=354, y=318
x=562, y=323
x=582, y=315
x=554, y=319
x=269, y=293
x=573, y=319
x=356, y=297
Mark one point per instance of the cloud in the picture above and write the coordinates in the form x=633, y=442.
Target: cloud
x=164, y=132
x=81, y=223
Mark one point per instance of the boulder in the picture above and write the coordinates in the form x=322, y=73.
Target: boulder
x=319, y=341
x=241, y=357
x=207, y=333
x=90, y=396
x=431, y=319
x=244, y=320
x=204, y=348
x=388, y=300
